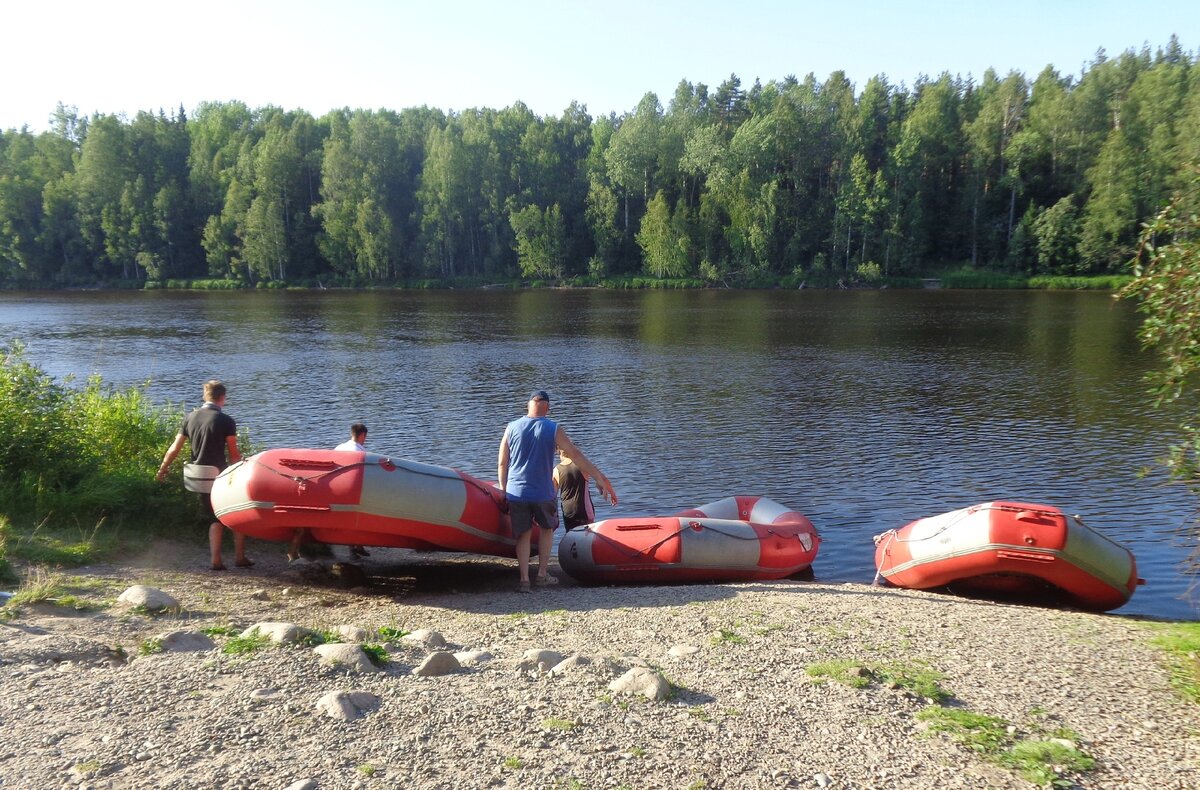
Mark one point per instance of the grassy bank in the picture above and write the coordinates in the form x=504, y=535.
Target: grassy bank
x=997, y=280
x=77, y=467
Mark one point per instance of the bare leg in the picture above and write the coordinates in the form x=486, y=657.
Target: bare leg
x=294, y=550
x=239, y=549
x=523, y=554
x=545, y=543
x=215, y=531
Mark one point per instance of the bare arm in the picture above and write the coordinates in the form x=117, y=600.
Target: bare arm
x=170, y=456
x=502, y=463
x=231, y=446
x=564, y=442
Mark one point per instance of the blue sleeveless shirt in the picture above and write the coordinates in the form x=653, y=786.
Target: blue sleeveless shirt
x=531, y=445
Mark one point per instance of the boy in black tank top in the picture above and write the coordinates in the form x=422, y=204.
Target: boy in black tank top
x=572, y=485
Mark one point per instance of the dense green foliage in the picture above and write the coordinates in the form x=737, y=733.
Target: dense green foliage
x=821, y=182
x=76, y=464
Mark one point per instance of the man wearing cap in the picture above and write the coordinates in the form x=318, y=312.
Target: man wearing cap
x=525, y=470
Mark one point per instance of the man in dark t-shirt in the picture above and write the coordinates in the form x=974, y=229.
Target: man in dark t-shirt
x=211, y=433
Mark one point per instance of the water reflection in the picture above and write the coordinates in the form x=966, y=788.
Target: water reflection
x=865, y=410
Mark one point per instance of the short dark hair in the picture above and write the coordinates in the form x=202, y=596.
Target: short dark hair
x=214, y=390
x=357, y=429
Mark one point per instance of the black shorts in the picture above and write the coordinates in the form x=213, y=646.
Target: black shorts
x=525, y=514
x=574, y=523
x=206, y=508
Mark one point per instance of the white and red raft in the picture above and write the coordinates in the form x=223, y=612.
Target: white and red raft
x=1010, y=549
x=739, y=538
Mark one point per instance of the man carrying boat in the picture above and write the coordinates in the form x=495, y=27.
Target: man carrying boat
x=212, y=433
x=525, y=470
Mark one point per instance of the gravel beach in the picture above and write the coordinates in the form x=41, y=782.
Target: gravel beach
x=105, y=698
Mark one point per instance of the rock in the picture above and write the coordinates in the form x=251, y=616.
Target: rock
x=473, y=657
x=544, y=660
x=431, y=639
x=348, y=575
x=353, y=633
x=1066, y=743
x=822, y=780
x=347, y=705
x=303, y=784
x=260, y=595
x=185, y=642
x=350, y=657
x=281, y=633
x=643, y=681
x=857, y=672
x=682, y=651
x=263, y=695
x=570, y=664
x=438, y=662
x=149, y=598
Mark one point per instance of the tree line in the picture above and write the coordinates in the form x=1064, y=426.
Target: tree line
x=794, y=177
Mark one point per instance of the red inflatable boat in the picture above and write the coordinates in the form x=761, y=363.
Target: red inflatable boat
x=1011, y=548
x=734, y=539
x=361, y=498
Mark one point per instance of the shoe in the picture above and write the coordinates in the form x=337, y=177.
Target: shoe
x=218, y=568
x=292, y=557
x=359, y=551
x=523, y=587
x=246, y=563
x=546, y=581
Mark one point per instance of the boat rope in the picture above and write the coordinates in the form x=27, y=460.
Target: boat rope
x=694, y=525
x=302, y=481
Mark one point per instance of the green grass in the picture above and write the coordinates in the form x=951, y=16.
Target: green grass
x=219, y=630
x=513, y=763
x=392, y=634
x=149, y=647
x=245, y=645
x=839, y=669
x=557, y=724
x=1035, y=761
x=919, y=679
x=366, y=769
x=77, y=466
x=1042, y=762
x=1181, y=642
x=727, y=636
x=377, y=654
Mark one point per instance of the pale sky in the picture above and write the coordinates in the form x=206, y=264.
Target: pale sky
x=123, y=56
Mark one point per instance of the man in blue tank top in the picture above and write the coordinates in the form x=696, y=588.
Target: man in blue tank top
x=525, y=470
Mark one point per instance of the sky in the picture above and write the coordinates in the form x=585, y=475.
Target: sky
x=123, y=56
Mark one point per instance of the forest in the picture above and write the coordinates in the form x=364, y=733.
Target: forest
x=793, y=180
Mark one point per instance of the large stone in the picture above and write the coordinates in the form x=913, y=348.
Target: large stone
x=353, y=633
x=151, y=599
x=350, y=657
x=643, y=681
x=544, y=660
x=281, y=633
x=682, y=651
x=473, y=656
x=570, y=664
x=303, y=784
x=431, y=639
x=347, y=705
x=185, y=642
x=438, y=663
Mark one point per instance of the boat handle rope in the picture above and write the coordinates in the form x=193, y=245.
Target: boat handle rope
x=302, y=481
x=892, y=535
x=690, y=525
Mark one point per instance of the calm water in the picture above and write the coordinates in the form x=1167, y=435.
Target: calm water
x=864, y=410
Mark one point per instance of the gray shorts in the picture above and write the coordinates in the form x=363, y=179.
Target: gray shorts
x=525, y=514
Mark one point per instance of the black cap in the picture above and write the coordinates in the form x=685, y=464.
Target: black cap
x=540, y=395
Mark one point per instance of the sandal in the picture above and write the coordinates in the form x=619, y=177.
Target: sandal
x=523, y=587
x=546, y=581
x=246, y=563
x=218, y=568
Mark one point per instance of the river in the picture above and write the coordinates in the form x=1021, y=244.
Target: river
x=862, y=409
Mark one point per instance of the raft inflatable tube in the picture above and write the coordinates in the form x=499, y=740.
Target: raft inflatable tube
x=361, y=498
x=1009, y=548
x=739, y=538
